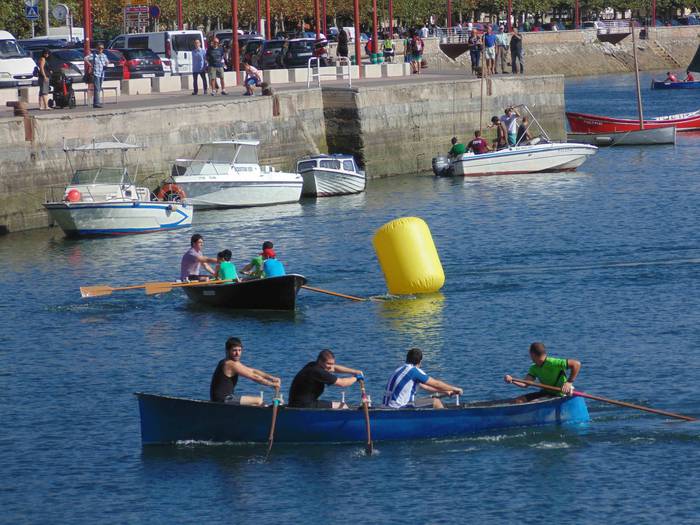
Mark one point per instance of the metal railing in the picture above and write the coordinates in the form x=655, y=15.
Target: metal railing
x=313, y=72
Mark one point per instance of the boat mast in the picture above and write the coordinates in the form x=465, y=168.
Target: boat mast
x=636, y=76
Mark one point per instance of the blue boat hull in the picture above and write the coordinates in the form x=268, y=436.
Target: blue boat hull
x=660, y=84
x=167, y=420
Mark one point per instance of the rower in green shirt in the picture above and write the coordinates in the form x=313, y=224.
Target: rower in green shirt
x=255, y=267
x=549, y=371
x=457, y=148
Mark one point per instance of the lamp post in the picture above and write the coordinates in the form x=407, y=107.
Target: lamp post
x=324, y=19
x=356, y=23
x=653, y=13
x=577, y=16
x=375, y=36
x=179, y=14
x=317, y=20
x=268, y=31
x=258, y=29
x=234, y=40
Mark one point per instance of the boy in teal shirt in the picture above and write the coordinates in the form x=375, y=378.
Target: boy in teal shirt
x=225, y=269
x=550, y=371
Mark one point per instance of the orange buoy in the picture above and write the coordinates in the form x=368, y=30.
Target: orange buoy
x=73, y=195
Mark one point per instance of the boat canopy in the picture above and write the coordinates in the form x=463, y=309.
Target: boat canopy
x=100, y=176
x=239, y=152
x=102, y=146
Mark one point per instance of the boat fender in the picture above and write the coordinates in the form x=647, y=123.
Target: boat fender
x=408, y=257
x=171, y=192
x=73, y=195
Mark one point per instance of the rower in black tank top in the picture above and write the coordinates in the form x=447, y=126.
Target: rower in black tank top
x=221, y=385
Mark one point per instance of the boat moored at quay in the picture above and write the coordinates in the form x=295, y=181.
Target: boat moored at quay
x=329, y=175
x=169, y=420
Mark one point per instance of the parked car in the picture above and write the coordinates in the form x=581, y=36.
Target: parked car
x=72, y=55
x=250, y=47
x=269, y=55
x=30, y=44
x=173, y=47
x=297, y=52
x=16, y=65
x=55, y=64
x=142, y=63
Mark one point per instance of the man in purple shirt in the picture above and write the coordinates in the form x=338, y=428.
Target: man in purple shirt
x=193, y=260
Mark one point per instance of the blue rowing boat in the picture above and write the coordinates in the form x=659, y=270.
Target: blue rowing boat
x=168, y=420
x=666, y=84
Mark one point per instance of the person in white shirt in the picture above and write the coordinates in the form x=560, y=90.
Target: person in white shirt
x=510, y=119
x=403, y=383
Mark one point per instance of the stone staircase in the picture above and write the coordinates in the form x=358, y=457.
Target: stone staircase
x=662, y=52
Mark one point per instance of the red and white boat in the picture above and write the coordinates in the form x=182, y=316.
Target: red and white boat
x=584, y=123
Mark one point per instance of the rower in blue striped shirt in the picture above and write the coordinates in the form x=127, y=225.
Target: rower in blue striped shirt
x=402, y=386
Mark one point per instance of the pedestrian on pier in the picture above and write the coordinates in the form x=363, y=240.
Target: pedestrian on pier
x=43, y=76
x=95, y=64
x=516, y=51
x=199, y=63
x=342, y=50
x=502, y=43
x=490, y=51
x=215, y=59
x=474, y=44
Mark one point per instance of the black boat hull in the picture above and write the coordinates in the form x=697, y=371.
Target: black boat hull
x=273, y=293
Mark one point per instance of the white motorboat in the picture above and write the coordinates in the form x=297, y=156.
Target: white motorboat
x=328, y=175
x=547, y=156
x=535, y=155
x=226, y=174
x=106, y=201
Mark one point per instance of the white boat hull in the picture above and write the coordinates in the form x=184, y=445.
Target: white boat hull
x=524, y=159
x=118, y=218
x=320, y=182
x=240, y=193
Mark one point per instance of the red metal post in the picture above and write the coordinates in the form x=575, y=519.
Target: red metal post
x=87, y=26
x=234, y=40
x=510, y=15
x=449, y=14
x=391, y=18
x=653, y=13
x=375, y=36
x=179, y=14
x=577, y=16
x=317, y=19
x=324, y=18
x=268, y=31
x=356, y=22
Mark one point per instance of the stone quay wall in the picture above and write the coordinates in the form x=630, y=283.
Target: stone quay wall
x=392, y=129
x=578, y=53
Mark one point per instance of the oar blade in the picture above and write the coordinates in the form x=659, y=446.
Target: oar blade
x=156, y=288
x=95, y=291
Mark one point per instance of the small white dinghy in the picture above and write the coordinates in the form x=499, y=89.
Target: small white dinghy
x=226, y=174
x=330, y=175
x=104, y=200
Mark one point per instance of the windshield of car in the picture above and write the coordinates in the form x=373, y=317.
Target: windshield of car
x=10, y=49
x=300, y=45
x=184, y=42
x=71, y=55
x=114, y=55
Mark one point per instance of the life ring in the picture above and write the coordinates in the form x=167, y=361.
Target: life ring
x=171, y=192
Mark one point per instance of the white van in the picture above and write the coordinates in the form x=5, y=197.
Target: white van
x=16, y=65
x=173, y=47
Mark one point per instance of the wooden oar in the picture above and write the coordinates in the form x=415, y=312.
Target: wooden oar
x=606, y=400
x=103, y=289
x=275, y=407
x=321, y=290
x=365, y=406
x=165, y=287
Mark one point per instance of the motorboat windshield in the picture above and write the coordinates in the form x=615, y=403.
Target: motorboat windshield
x=228, y=153
x=101, y=175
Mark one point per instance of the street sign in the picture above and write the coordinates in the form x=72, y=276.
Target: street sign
x=154, y=11
x=31, y=12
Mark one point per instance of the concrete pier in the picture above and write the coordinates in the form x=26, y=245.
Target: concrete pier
x=393, y=127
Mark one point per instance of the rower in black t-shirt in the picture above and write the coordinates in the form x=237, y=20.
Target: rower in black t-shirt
x=309, y=383
x=225, y=377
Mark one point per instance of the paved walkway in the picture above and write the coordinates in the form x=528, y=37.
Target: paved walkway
x=185, y=97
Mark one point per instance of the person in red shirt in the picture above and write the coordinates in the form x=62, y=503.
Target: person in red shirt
x=690, y=77
x=670, y=77
x=478, y=144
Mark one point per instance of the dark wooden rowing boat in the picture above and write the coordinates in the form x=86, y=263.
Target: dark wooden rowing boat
x=166, y=420
x=272, y=293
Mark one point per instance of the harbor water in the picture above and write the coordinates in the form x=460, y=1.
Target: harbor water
x=602, y=265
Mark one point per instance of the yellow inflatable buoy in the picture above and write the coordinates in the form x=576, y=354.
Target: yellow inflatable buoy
x=408, y=257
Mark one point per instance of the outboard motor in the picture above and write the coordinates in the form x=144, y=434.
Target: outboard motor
x=442, y=166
